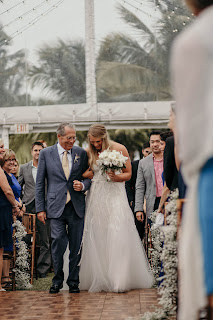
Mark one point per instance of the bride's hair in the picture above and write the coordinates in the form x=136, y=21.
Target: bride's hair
x=97, y=130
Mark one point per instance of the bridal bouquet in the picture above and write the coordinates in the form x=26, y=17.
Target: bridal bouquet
x=111, y=160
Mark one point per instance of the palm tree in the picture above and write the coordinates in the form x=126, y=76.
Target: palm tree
x=12, y=71
x=61, y=71
x=133, y=70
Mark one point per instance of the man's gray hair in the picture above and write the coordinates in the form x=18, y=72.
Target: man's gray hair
x=60, y=130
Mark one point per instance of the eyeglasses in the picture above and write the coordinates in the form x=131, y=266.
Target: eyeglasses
x=70, y=138
x=10, y=160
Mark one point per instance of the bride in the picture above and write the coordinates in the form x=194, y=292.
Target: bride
x=113, y=258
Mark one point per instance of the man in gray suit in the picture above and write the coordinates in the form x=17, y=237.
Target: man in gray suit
x=27, y=180
x=149, y=183
x=62, y=166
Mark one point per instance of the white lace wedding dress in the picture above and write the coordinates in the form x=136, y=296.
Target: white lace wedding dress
x=113, y=257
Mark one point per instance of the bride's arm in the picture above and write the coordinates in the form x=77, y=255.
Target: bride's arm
x=126, y=172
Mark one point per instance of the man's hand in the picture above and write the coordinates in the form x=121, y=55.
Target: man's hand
x=77, y=185
x=140, y=216
x=42, y=216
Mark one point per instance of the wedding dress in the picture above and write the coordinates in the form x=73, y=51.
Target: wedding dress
x=113, y=258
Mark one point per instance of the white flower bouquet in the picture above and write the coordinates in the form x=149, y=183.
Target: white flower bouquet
x=111, y=161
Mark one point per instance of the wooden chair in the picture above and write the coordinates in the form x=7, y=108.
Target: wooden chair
x=29, y=221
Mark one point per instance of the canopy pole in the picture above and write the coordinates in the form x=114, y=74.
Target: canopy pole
x=91, y=97
x=5, y=136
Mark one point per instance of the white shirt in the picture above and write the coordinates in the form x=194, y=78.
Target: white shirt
x=34, y=171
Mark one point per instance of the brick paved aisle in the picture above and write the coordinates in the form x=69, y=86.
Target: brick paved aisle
x=39, y=305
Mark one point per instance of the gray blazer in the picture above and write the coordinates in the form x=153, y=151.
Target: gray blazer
x=145, y=185
x=27, y=183
x=50, y=169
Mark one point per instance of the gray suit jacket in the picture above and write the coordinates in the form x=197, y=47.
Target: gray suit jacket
x=50, y=169
x=145, y=185
x=27, y=183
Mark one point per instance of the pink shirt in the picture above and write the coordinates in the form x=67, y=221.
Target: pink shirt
x=158, y=167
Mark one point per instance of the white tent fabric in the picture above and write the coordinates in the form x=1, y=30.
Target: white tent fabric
x=113, y=115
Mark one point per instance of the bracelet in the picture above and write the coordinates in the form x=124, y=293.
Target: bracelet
x=15, y=206
x=21, y=206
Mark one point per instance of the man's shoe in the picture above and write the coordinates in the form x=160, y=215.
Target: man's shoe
x=42, y=275
x=55, y=288
x=74, y=289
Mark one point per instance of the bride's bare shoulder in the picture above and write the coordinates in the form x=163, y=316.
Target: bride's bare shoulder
x=118, y=147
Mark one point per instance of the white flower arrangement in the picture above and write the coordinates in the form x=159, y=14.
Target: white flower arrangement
x=22, y=267
x=111, y=160
x=168, y=255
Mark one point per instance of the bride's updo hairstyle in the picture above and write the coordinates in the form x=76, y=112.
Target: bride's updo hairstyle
x=97, y=130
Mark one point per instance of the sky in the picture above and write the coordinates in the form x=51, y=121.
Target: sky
x=66, y=21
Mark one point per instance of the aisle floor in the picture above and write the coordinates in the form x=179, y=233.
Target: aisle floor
x=39, y=305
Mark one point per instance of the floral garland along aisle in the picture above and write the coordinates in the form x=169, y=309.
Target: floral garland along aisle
x=22, y=267
x=164, y=250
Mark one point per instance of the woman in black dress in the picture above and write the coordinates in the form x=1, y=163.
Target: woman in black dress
x=8, y=206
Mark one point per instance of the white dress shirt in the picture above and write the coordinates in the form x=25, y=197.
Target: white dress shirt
x=34, y=172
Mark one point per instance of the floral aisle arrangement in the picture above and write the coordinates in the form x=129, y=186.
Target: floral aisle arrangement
x=22, y=267
x=111, y=160
x=156, y=250
x=168, y=255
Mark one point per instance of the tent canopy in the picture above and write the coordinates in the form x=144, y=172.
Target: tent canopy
x=124, y=115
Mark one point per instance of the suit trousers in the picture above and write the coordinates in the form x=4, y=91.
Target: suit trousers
x=68, y=228
x=43, y=239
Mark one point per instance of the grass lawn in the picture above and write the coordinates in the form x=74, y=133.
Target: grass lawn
x=42, y=284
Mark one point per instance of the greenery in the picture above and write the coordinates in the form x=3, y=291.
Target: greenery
x=128, y=68
x=12, y=70
x=61, y=71
x=42, y=284
x=137, y=68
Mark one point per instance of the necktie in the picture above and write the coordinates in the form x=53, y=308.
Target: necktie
x=65, y=166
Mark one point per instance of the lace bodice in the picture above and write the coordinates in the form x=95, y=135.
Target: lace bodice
x=97, y=175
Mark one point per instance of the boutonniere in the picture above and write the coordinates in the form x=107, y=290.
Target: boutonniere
x=76, y=158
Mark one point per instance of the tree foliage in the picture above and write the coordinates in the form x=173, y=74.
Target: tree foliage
x=61, y=71
x=137, y=68
x=12, y=70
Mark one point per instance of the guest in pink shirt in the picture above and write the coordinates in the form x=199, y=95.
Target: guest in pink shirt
x=149, y=183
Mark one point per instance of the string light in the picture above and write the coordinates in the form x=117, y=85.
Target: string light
x=33, y=22
x=8, y=10
x=139, y=9
x=158, y=4
x=24, y=14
